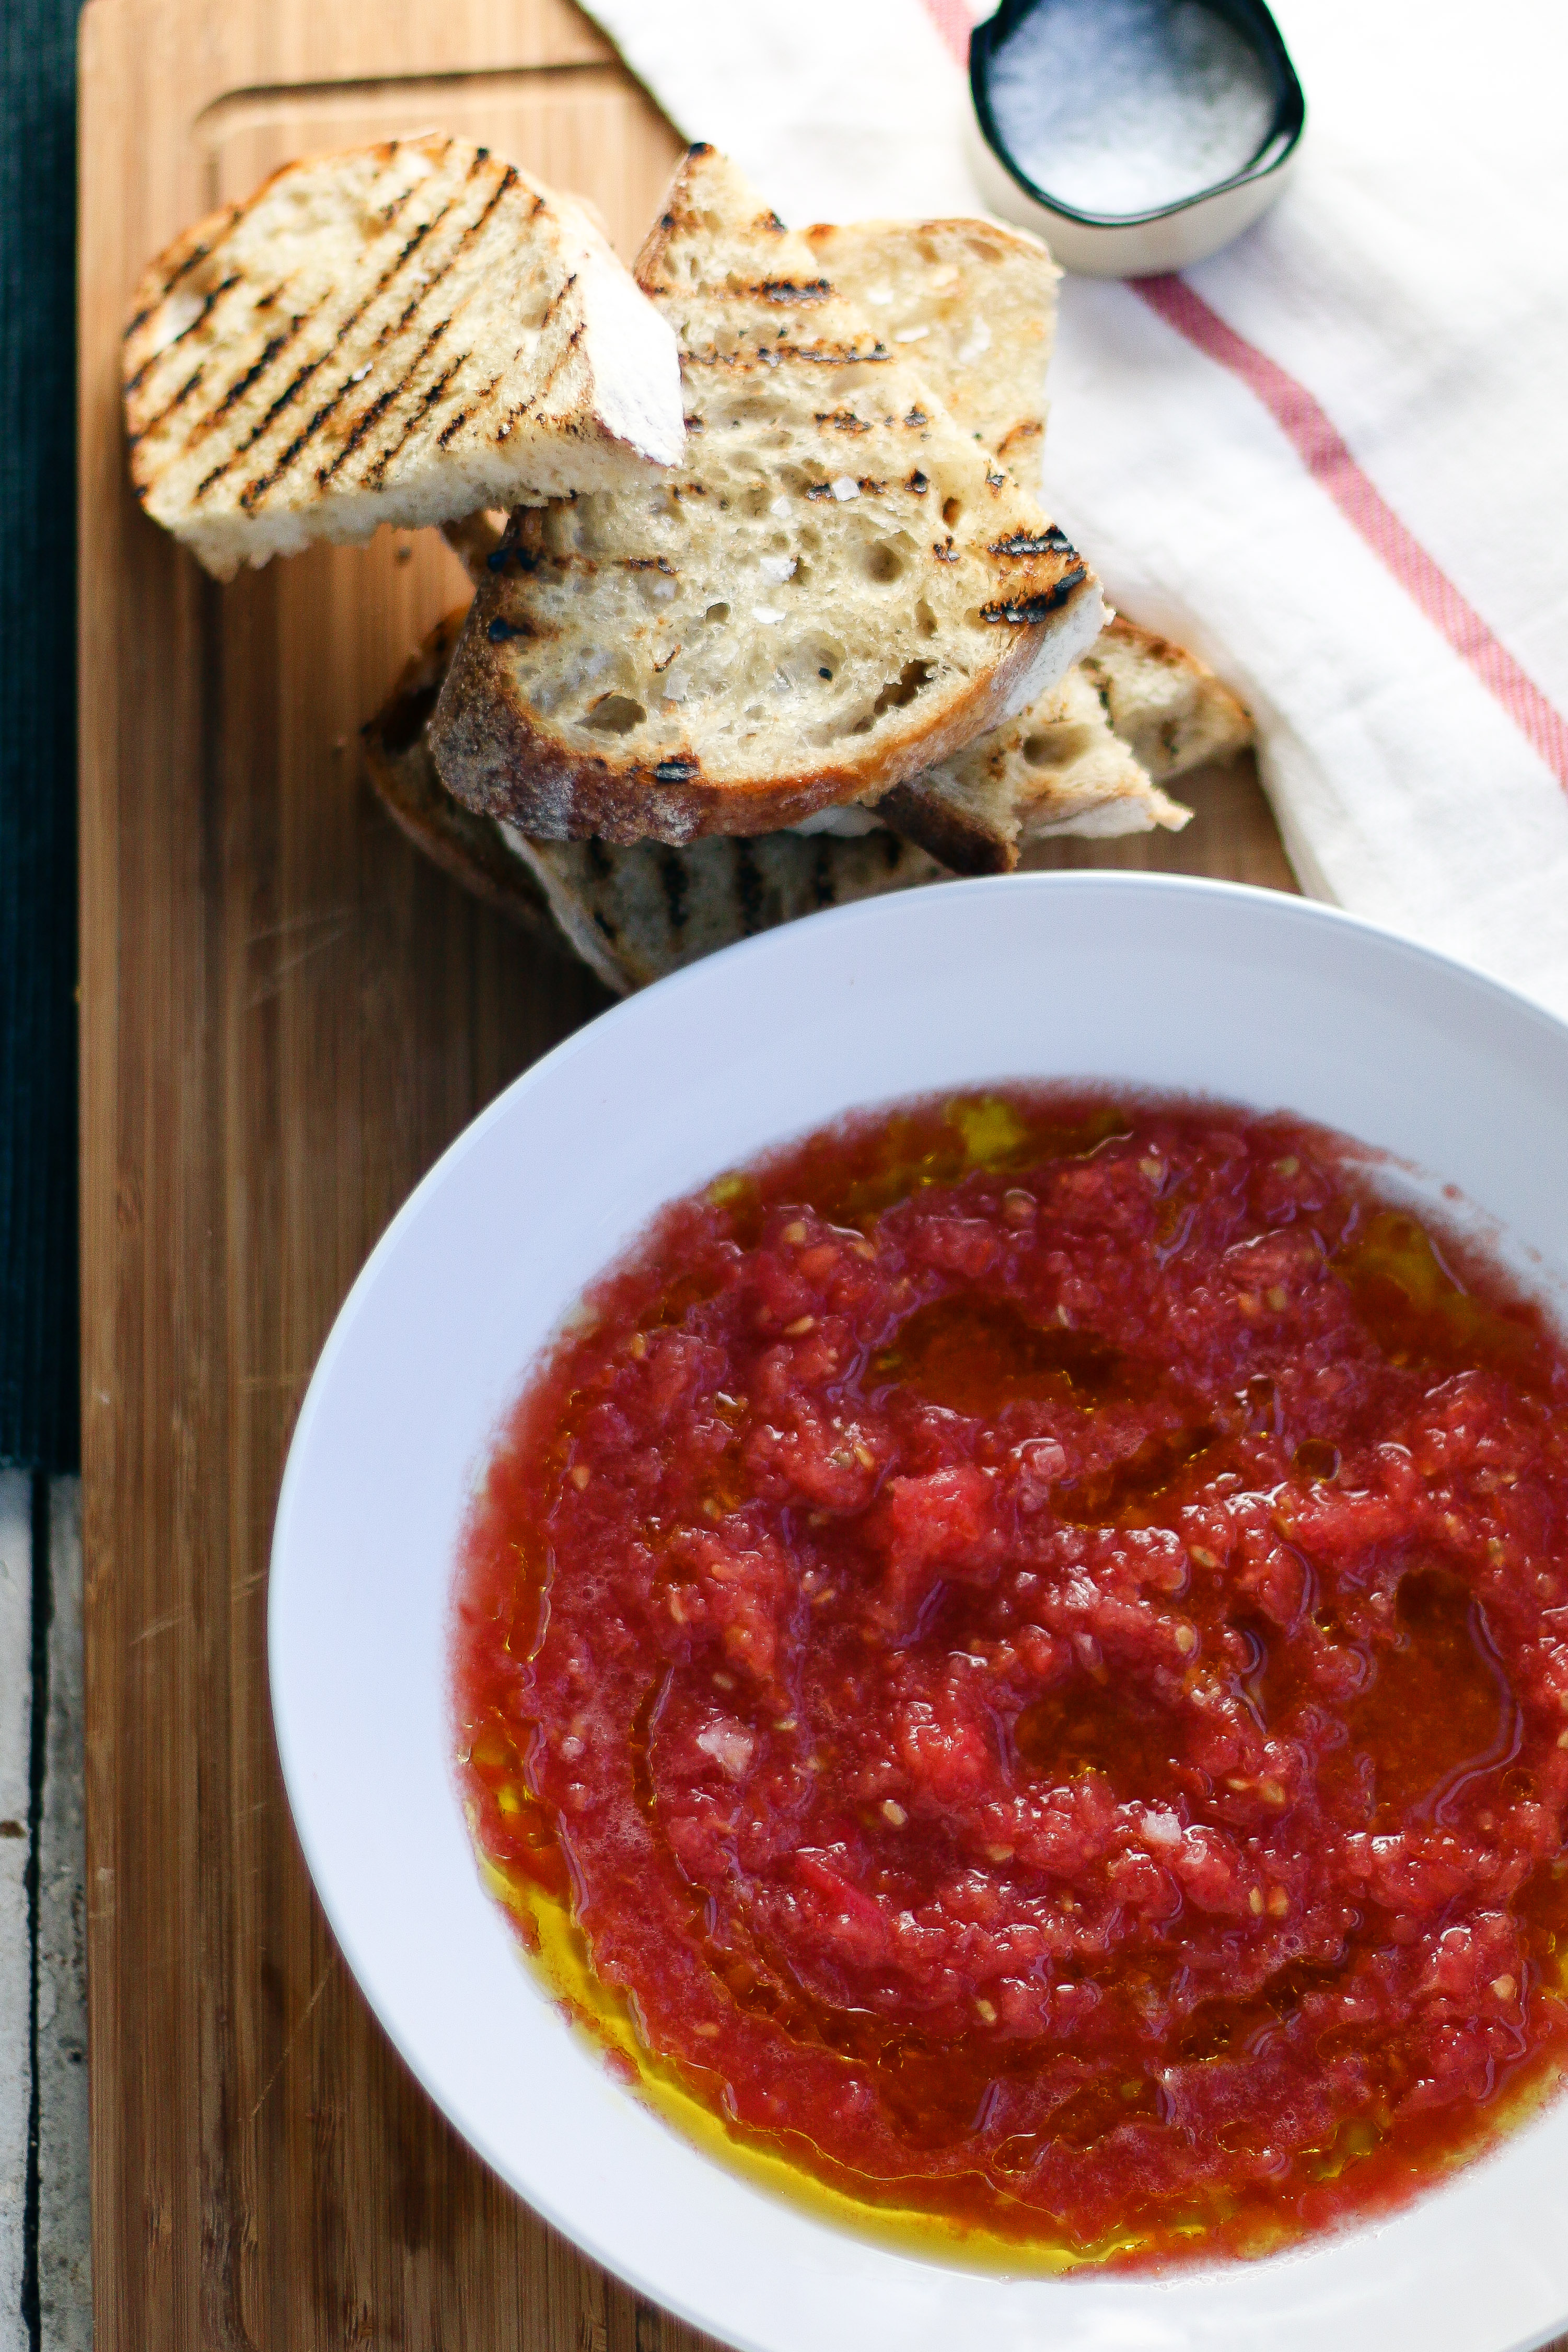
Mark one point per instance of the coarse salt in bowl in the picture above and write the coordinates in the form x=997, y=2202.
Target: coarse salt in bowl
x=1134, y=135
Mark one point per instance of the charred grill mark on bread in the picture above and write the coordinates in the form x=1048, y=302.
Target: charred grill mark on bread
x=192, y=383
x=404, y=386
x=672, y=875
x=292, y=391
x=375, y=472
x=1052, y=541
x=829, y=355
x=455, y=423
x=209, y=301
x=1030, y=610
x=235, y=392
x=389, y=213
x=540, y=391
x=362, y=426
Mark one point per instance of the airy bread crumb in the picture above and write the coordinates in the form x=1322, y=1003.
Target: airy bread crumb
x=971, y=304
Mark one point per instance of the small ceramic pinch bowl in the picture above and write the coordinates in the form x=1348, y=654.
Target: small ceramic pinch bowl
x=1135, y=136
x=1141, y=981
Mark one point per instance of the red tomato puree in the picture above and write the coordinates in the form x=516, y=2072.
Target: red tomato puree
x=1026, y=1639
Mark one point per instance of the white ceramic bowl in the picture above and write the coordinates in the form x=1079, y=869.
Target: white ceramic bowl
x=1163, y=983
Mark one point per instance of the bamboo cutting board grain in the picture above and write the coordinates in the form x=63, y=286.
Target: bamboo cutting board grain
x=286, y=1016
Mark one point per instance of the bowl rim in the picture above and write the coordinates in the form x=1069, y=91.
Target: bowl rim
x=600, y=2243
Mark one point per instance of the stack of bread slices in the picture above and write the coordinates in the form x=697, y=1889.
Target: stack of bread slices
x=766, y=616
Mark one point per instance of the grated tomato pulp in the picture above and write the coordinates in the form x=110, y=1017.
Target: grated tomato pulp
x=1018, y=1661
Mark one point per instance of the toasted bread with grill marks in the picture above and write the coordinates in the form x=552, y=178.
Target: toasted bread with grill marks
x=1064, y=766
x=1167, y=706
x=1135, y=713
x=632, y=913
x=401, y=333
x=839, y=586
x=1056, y=769
x=971, y=304
x=1060, y=767
x=637, y=910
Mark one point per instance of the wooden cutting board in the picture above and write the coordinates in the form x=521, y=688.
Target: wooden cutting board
x=286, y=1017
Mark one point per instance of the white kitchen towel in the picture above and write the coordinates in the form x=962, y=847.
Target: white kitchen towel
x=1333, y=459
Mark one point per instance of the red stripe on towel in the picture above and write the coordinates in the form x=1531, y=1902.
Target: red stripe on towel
x=1327, y=457
x=955, y=20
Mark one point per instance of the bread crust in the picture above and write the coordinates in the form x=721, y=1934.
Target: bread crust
x=497, y=757
x=946, y=829
x=471, y=850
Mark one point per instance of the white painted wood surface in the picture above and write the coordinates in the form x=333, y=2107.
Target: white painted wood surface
x=15, y=1991
x=65, y=2273
x=44, y=2274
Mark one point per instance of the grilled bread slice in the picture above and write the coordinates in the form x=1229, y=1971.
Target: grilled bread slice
x=970, y=304
x=1064, y=766
x=631, y=913
x=401, y=333
x=838, y=588
x=1057, y=769
x=1089, y=758
x=637, y=910
x=1164, y=703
